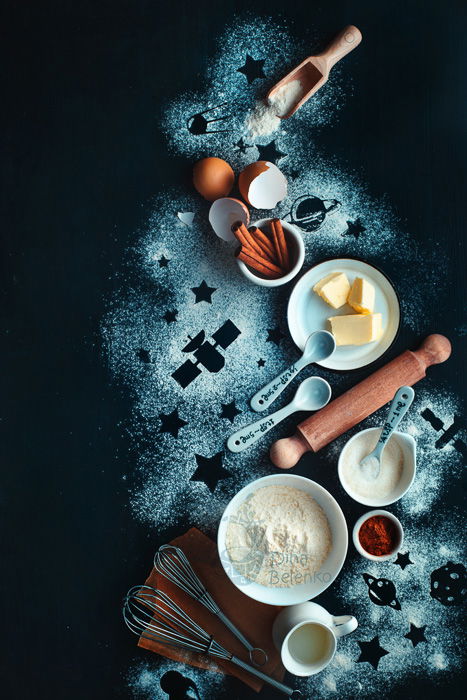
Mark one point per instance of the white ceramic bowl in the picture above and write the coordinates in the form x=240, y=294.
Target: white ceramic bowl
x=408, y=447
x=331, y=567
x=297, y=252
x=360, y=522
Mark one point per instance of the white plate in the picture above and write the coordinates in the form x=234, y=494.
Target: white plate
x=307, y=312
x=329, y=570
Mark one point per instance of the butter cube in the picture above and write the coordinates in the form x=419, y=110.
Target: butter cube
x=333, y=289
x=362, y=296
x=356, y=329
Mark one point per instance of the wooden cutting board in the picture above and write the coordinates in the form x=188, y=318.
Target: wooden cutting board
x=252, y=618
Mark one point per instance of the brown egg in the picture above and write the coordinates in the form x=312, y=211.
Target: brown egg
x=213, y=178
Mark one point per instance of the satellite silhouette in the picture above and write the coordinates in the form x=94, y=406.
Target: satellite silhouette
x=198, y=124
x=448, y=434
x=207, y=355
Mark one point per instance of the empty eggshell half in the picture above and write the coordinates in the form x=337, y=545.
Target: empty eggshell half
x=224, y=213
x=262, y=185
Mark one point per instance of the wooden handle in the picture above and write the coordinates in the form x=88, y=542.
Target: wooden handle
x=347, y=40
x=359, y=402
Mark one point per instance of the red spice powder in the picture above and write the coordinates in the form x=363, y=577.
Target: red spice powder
x=378, y=535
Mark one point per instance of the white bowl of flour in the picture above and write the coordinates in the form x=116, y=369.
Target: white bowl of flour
x=398, y=467
x=282, y=539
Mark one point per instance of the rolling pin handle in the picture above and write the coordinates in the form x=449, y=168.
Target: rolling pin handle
x=434, y=349
x=285, y=453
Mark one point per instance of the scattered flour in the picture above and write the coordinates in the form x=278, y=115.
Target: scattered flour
x=265, y=117
x=278, y=537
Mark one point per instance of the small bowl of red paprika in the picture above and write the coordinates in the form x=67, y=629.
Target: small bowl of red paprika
x=378, y=535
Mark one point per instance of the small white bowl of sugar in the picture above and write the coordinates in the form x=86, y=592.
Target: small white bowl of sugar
x=398, y=468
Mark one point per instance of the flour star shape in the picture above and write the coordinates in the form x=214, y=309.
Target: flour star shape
x=170, y=316
x=229, y=410
x=210, y=470
x=203, y=293
x=171, y=423
x=416, y=634
x=270, y=152
x=354, y=228
x=403, y=560
x=252, y=68
x=372, y=652
x=242, y=146
x=275, y=335
x=163, y=261
x=260, y=362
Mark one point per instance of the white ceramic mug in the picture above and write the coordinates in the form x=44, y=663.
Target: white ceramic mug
x=306, y=636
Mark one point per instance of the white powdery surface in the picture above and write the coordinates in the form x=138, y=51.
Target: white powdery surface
x=144, y=679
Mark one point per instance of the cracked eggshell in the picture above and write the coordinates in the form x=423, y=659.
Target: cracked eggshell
x=262, y=185
x=224, y=213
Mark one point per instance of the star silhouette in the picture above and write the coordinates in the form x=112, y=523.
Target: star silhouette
x=354, y=228
x=275, y=335
x=163, y=261
x=371, y=652
x=171, y=423
x=252, y=69
x=210, y=470
x=242, y=146
x=229, y=410
x=403, y=560
x=416, y=634
x=170, y=316
x=203, y=292
x=260, y=362
x=269, y=152
x=143, y=355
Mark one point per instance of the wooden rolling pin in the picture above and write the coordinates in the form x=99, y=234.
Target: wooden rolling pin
x=359, y=402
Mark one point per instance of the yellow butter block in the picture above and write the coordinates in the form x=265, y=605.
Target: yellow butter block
x=356, y=329
x=362, y=296
x=333, y=289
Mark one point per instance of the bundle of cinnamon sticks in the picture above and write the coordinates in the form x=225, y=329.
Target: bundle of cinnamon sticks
x=265, y=252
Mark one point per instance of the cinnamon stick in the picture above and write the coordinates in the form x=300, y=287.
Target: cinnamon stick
x=280, y=244
x=245, y=238
x=261, y=265
x=263, y=241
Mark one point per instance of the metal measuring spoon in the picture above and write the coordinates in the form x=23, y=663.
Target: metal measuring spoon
x=312, y=394
x=318, y=347
x=371, y=464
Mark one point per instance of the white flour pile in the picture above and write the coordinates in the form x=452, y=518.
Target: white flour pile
x=390, y=472
x=279, y=537
x=264, y=119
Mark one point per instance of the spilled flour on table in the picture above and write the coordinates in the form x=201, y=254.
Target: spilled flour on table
x=180, y=293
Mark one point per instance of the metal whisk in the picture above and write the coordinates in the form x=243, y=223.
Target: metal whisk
x=152, y=614
x=171, y=562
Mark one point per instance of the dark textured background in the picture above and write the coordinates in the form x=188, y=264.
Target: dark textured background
x=82, y=156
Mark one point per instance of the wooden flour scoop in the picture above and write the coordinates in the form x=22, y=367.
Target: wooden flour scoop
x=359, y=402
x=313, y=72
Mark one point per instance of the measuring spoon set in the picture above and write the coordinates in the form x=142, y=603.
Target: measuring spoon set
x=312, y=394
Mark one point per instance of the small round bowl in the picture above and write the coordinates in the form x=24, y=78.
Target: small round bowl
x=296, y=250
x=363, y=519
x=409, y=468
x=330, y=568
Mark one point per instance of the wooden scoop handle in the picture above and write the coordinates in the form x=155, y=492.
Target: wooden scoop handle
x=347, y=40
x=359, y=402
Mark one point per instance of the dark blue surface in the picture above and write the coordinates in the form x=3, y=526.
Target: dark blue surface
x=82, y=156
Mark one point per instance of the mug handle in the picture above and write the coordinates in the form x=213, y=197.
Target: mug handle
x=344, y=624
